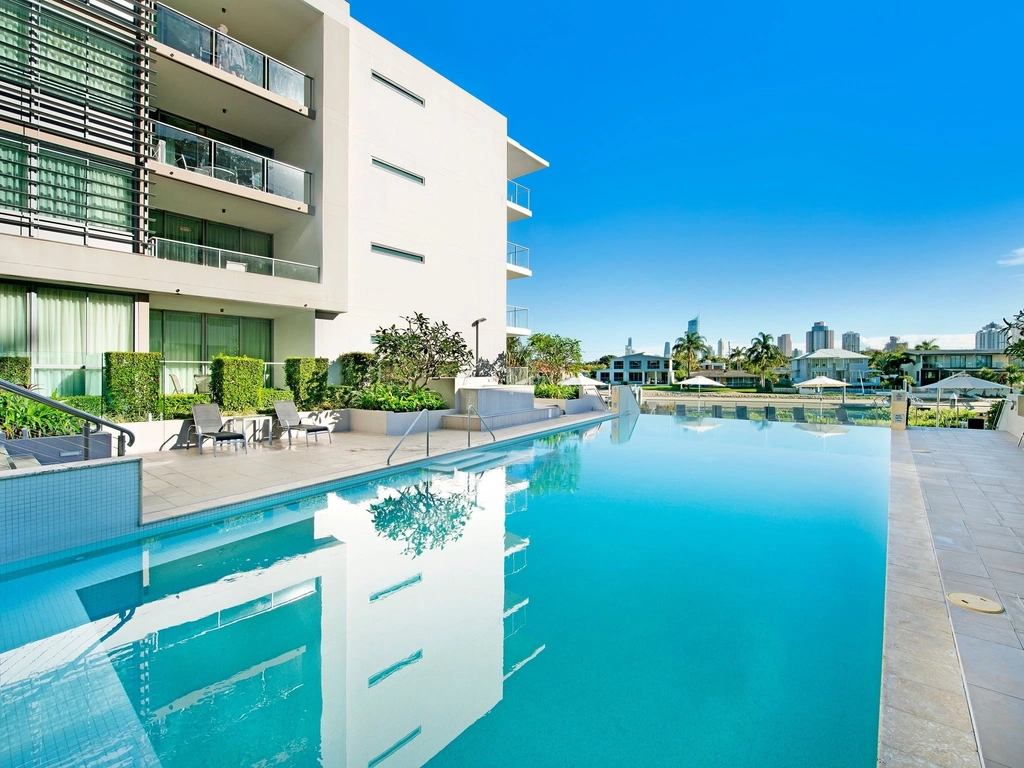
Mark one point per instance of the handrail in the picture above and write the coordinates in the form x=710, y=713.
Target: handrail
x=414, y=422
x=469, y=425
x=87, y=417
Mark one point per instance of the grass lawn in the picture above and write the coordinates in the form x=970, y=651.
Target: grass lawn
x=703, y=391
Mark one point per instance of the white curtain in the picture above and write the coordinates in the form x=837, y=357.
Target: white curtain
x=110, y=320
x=60, y=341
x=13, y=321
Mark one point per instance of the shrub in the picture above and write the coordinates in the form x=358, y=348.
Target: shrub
x=17, y=370
x=397, y=398
x=339, y=397
x=89, y=403
x=18, y=414
x=236, y=383
x=556, y=391
x=354, y=368
x=307, y=379
x=268, y=396
x=131, y=383
x=180, y=406
x=421, y=351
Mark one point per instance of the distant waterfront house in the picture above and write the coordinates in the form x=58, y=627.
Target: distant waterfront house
x=931, y=365
x=637, y=369
x=840, y=364
x=734, y=379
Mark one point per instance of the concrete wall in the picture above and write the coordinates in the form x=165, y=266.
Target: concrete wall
x=1012, y=418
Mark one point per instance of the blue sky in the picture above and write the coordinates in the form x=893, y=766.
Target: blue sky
x=771, y=165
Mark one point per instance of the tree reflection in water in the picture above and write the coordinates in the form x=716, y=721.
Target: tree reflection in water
x=558, y=470
x=422, y=518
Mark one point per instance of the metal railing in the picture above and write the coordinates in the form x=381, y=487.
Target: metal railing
x=198, y=154
x=185, y=34
x=517, y=255
x=87, y=418
x=221, y=258
x=414, y=422
x=469, y=426
x=517, y=317
x=518, y=194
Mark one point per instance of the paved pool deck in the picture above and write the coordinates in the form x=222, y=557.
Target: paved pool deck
x=183, y=482
x=953, y=679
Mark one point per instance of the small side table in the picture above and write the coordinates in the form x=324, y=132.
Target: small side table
x=255, y=421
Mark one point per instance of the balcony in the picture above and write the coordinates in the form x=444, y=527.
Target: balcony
x=517, y=262
x=219, y=258
x=230, y=60
x=517, y=321
x=517, y=201
x=274, y=182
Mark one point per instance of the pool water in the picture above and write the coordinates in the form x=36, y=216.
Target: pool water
x=650, y=591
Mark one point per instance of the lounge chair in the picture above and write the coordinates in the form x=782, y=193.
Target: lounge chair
x=741, y=412
x=210, y=426
x=799, y=415
x=681, y=409
x=770, y=413
x=716, y=411
x=202, y=384
x=176, y=384
x=842, y=416
x=289, y=419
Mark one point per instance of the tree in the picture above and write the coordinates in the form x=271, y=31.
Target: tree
x=927, y=344
x=1014, y=375
x=516, y=353
x=598, y=365
x=1015, y=336
x=421, y=351
x=738, y=358
x=553, y=356
x=890, y=364
x=764, y=356
x=689, y=350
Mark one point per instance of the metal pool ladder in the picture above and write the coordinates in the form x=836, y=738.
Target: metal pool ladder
x=414, y=422
x=469, y=426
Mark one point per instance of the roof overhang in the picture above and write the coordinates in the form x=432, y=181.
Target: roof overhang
x=522, y=161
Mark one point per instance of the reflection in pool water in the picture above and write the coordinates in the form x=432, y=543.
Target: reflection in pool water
x=607, y=596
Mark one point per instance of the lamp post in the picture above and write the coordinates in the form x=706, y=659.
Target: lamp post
x=476, y=325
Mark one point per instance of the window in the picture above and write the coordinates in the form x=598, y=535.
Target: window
x=635, y=376
x=618, y=377
x=983, y=361
x=13, y=320
x=958, y=361
x=398, y=171
x=407, y=255
x=604, y=375
x=397, y=88
x=634, y=365
x=618, y=364
x=186, y=230
x=201, y=129
x=653, y=365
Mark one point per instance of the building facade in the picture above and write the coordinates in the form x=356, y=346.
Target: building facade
x=931, y=365
x=637, y=368
x=694, y=326
x=820, y=337
x=851, y=341
x=193, y=180
x=839, y=364
x=785, y=344
x=993, y=336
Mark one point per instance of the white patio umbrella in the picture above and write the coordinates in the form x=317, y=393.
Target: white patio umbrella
x=819, y=383
x=823, y=431
x=581, y=381
x=698, y=382
x=698, y=425
x=960, y=382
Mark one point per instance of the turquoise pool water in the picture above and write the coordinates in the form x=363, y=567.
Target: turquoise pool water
x=647, y=592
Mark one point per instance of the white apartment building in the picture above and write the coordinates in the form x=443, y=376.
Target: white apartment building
x=259, y=177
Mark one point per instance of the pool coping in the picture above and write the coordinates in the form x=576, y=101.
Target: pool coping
x=925, y=717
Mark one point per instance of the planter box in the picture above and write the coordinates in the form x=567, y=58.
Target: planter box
x=60, y=450
x=570, y=407
x=390, y=423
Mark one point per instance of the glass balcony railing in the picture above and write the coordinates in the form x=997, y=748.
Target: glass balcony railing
x=220, y=258
x=518, y=194
x=517, y=317
x=199, y=41
x=199, y=154
x=518, y=256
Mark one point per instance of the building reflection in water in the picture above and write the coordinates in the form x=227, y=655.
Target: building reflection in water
x=341, y=630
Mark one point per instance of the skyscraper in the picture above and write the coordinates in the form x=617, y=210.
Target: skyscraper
x=820, y=337
x=785, y=343
x=992, y=336
x=694, y=326
x=893, y=343
x=851, y=341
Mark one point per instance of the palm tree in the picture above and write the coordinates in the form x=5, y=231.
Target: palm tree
x=927, y=344
x=689, y=349
x=737, y=358
x=763, y=356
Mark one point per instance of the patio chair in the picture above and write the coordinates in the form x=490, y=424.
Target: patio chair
x=681, y=409
x=176, y=384
x=289, y=419
x=799, y=415
x=716, y=411
x=842, y=416
x=741, y=412
x=208, y=425
x=770, y=413
x=202, y=384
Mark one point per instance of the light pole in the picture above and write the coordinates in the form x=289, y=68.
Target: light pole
x=476, y=325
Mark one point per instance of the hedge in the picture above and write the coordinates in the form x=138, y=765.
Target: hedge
x=307, y=379
x=180, y=406
x=17, y=370
x=398, y=399
x=556, y=391
x=131, y=384
x=339, y=397
x=354, y=368
x=89, y=403
x=268, y=396
x=236, y=383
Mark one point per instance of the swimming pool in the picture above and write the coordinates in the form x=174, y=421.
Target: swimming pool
x=651, y=591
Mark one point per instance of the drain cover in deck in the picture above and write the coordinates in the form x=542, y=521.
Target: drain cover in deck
x=974, y=602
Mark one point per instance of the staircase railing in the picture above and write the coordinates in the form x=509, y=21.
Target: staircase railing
x=469, y=426
x=88, y=418
x=414, y=422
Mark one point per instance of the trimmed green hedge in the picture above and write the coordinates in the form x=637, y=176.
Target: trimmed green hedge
x=236, y=383
x=268, y=396
x=397, y=398
x=17, y=370
x=339, y=397
x=354, y=368
x=180, y=406
x=556, y=391
x=89, y=403
x=307, y=379
x=131, y=384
